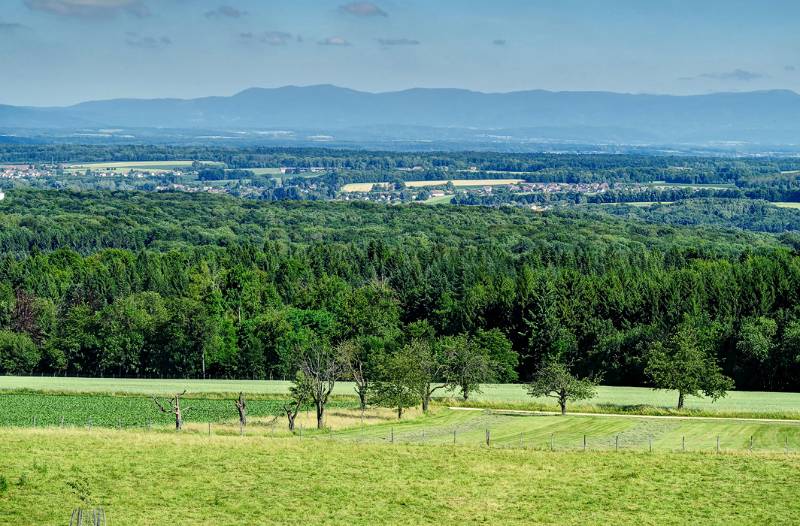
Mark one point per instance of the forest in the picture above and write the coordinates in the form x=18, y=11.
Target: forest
x=176, y=285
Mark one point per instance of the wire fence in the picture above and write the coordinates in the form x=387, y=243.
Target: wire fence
x=784, y=439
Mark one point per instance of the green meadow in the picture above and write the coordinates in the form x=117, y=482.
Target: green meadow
x=141, y=478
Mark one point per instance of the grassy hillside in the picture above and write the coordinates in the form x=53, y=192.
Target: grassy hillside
x=192, y=479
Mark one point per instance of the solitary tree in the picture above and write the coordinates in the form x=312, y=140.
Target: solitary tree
x=555, y=381
x=174, y=409
x=468, y=364
x=685, y=363
x=360, y=357
x=241, y=406
x=395, y=385
x=423, y=366
x=321, y=364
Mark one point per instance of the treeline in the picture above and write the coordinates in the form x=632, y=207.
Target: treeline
x=202, y=285
x=368, y=166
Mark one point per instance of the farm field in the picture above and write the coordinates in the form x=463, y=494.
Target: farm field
x=366, y=187
x=188, y=479
x=46, y=410
x=265, y=171
x=443, y=426
x=608, y=399
x=439, y=200
x=779, y=204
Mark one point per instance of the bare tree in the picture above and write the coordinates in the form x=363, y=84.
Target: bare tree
x=174, y=408
x=300, y=395
x=241, y=406
x=321, y=364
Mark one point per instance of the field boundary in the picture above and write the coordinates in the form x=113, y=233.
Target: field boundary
x=625, y=415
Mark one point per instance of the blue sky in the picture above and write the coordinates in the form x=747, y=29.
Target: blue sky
x=55, y=52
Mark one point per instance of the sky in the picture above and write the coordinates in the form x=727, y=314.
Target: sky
x=60, y=52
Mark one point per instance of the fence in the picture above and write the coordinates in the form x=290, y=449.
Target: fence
x=472, y=437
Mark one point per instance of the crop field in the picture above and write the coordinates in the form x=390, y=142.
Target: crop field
x=188, y=479
x=782, y=204
x=37, y=409
x=511, y=396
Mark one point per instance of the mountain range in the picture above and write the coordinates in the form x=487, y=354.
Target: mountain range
x=758, y=117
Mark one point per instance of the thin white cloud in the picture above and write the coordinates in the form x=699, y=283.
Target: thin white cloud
x=147, y=41
x=226, y=11
x=366, y=9
x=739, y=75
x=89, y=8
x=271, y=38
x=334, y=41
x=398, y=42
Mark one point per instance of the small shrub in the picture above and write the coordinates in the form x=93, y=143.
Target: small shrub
x=3, y=484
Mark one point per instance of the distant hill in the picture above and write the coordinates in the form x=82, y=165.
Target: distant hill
x=760, y=117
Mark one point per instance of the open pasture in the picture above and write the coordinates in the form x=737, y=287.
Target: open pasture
x=188, y=479
x=600, y=432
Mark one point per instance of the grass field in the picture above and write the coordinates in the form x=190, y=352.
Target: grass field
x=27, y=409
x=608, y=399
x=366, y=187
x=265, y=171
x=782, y=204
x=189, y=479
x=439, y=200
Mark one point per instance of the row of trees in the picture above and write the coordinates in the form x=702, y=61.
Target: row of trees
x=413, y=373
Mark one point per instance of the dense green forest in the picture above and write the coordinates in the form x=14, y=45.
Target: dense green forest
x=171, y=284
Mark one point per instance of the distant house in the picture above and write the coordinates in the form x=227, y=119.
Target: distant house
x=437, y=193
